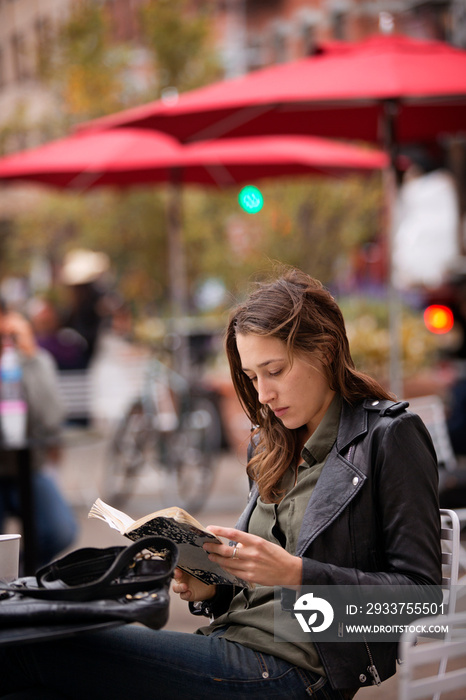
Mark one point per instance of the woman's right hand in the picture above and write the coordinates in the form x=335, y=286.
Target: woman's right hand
x=191, y=589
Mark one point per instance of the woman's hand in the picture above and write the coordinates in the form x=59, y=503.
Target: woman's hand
x=190, y=588
x=256, y=560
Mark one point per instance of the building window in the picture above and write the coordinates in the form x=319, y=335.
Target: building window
x=339, y=25
x=19, y=56
x=279, y=45
x=2, y=69
x=308, y=38
x=458, y=24
x=43, y=31
x=255, y=54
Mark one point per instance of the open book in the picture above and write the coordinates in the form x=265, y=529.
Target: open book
x=179, y=527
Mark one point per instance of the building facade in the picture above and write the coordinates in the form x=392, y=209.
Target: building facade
x=255, y=33
x=248, y=33
x=25, y=26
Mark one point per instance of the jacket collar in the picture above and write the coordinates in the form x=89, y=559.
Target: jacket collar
x=353, y=424
x=341, y=479
x=331, y=491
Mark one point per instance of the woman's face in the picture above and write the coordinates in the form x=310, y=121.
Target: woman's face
x=298, y=392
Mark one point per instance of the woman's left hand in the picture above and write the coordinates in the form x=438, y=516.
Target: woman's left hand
x=254, y=559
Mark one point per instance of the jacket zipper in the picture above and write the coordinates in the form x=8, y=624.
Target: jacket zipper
x=372, y=669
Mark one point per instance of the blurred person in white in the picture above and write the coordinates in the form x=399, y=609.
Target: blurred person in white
x=55, y=523
x=426, y=241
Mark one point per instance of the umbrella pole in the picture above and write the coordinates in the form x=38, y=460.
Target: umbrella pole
x=177, y=275
x=394, y=301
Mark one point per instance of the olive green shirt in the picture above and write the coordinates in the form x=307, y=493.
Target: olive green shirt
x=252, y=617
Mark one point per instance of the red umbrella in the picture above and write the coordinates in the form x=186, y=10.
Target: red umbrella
x=124, y=157
x=386, y=89
x=363, y=90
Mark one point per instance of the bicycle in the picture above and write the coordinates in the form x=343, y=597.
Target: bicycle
x=172, y=428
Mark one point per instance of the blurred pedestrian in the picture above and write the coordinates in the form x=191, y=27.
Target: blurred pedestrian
x=82, y=275
x=55, y=524
x=334, y=464
x=66, y=345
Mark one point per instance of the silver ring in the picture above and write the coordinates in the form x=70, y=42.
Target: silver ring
x=235, y=552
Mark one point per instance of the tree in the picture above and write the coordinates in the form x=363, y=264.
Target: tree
x=308, y=222
x=83, y=67
x=177, y=33
x=90, y=75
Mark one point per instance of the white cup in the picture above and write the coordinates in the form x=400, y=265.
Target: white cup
x=9, y=557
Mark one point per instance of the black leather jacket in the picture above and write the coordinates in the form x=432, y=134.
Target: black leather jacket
x=373, y=518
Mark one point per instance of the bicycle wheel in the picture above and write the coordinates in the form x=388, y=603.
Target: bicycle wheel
x=141, y=461
x=125, y=457
x=193, y=447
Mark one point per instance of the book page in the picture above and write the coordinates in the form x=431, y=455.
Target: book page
x=176, y=513
x=122, y=522
x=112, y=516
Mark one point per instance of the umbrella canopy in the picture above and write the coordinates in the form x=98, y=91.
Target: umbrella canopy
x=355, y=91
x=124, y=157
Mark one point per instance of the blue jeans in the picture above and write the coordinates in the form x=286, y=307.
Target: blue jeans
x=55, y=524
x=133, y=661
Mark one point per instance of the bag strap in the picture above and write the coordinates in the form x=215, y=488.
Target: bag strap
x=52, y=586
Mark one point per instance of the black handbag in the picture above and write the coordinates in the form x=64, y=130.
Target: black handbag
x=90, y=585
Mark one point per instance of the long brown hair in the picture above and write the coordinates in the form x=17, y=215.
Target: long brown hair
x=298, y=310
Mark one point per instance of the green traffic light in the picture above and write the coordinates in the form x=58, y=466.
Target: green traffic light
x=251, y=199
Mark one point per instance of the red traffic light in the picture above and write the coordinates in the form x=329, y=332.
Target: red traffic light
x=438, y=318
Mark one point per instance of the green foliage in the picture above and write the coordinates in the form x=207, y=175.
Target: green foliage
x=220, y=239
x=307, y=222
x=82, y=67
x=367, y=327
x=90, y=73
x=13, y=133
x=129, y=226
x=178, y=34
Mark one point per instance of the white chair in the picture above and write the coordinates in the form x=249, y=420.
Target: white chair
x=461, y=513
x=450, y=545
x=432, y=411
x=436, y=650
x=450, y=651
